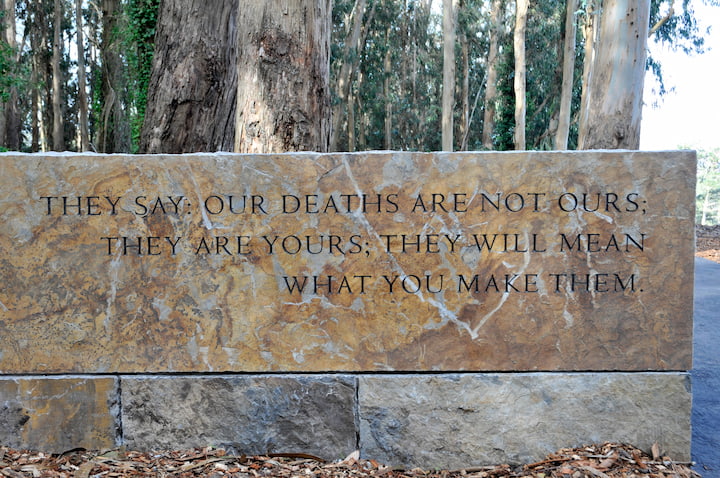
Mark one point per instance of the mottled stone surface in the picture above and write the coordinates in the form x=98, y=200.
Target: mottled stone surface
x=57, y=414
x=455, y=422
x=407, y=261
x=250, y=415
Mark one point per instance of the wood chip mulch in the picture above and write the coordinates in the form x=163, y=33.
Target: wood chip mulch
x=707, y=239
x=606, y=460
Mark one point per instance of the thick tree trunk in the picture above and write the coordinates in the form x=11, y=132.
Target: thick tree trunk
x=563, y=129
x=616, y=85
x=192, y=92
x=520, y=69
x=82, y=83
x=58, y=124
x=448, y=94
x=283, y=76
x=491, y=88
x=345, y=75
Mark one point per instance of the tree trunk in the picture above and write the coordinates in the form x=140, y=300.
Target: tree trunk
x=82, y=83
x=58, y=125
x=35, y=109
x=491, y=88
x=345, y=75
x=590, y=32
x=351, y=122
x=283, y=76
x=11, y=117
x=5, y=37
x=192, y=93
x=114, y=130
x=563, y=128
x=615, y=87
x=519, y=82
x=448, y=94
x=465, y=117
x=362, y=124
x=387, y=66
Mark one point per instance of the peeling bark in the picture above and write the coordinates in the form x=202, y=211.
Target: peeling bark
x=615, y=87
x=283, y=101
x=563, y=128
x=192, y=91
x=491, y=88
x=520, y=70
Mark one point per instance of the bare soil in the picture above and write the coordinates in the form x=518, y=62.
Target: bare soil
x=606, y=460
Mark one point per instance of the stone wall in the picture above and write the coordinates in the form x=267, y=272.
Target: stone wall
x=429, y=420
x=428, y=309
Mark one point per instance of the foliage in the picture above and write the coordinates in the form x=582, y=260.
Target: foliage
x=12, y=74
x=708, y=187
x=406, y=97
x=139, y=47
x=677, y=29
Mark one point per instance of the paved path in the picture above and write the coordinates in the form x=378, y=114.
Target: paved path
x=706, y=370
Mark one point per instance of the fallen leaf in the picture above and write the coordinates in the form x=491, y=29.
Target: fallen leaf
x=84, y=470
x=655, y=451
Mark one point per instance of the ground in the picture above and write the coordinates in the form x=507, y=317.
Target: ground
x=609, y=460
x=708, y=242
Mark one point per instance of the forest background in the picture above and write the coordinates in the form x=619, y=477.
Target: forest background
x=75, y=74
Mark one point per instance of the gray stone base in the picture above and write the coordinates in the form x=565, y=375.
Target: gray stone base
x=428, y=420
x=252, y=415
x=473, y=419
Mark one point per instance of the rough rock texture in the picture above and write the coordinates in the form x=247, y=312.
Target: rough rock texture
x=193, y=263
x=457, y=421
x=57, y=414
x=250, y=415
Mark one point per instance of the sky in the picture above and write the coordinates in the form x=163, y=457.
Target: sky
x=690, y=115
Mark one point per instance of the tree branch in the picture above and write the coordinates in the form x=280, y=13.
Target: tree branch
x=663, y=20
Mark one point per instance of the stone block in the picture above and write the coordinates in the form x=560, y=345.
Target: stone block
x=457, y=421
x=304, y=262
x=250, y=414
x=57, y=414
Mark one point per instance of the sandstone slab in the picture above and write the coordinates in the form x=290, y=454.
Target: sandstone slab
x=58, y=414
x=457, y=421
x=520, y=261
x=247, y=415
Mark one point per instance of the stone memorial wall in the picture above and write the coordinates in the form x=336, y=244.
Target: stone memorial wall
x=328, y=302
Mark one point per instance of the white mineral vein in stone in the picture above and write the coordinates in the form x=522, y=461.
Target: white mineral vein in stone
x=113, y=271
x=526, y=257
x=602, y=216
x=4, y=307
x=162, y=309
x=206, y=220
x=445, y=313
x=192, y=348
x=298, y=357
x=204, y=352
